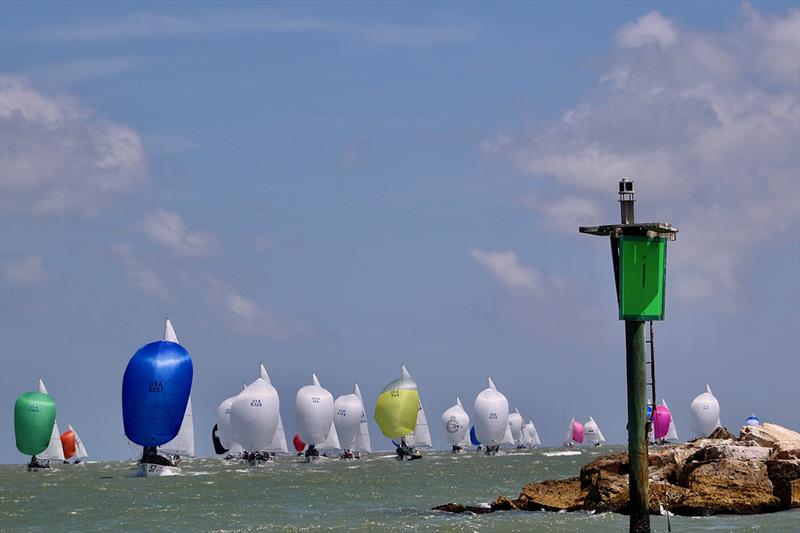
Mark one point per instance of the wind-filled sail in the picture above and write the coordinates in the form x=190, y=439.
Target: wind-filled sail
x=298, y=443
x=155, y=392
x=72, y=445
x=515, y=422
x=219, y=449
x=347, y=413
x=314, y=408
x=362, y=436
x=662, y=418
x=473, y=436
x=54, y=449
x=508, y=438
x=705, y=413
x=592, y=431
x=183, y=443
x=533, y=435
x=224, y=432
x=752, y=420
x=34, y=417
x=455, y=423
x=575, y=432
x=491, y=415
x=397, y=407
x=254, y=416
x=331, y=441
x=422, y=433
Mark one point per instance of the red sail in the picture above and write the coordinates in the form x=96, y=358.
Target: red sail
x=68, y=443
x=298, y=444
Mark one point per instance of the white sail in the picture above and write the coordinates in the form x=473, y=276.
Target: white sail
x=533, y=435
x=491, y=416
x=362, y=436
x=314, y=408
x=422, y=433
x=331, y=442
x=515, y=422
x=235, y=450
x=224, y=422
x=80, y=450
x=672, y=431
x=169, y=332
x=568, y=436
x=705, y=413
x=54, y=451
x=279, y=440
x=254, y=416
x=593, y=433
x=455, y=423
x=183, y=443
x=347, y=414
x=508, y=438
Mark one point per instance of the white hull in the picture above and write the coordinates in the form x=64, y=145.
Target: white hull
x=153, y=470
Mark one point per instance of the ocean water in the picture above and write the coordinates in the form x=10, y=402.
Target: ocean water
x=374, y=494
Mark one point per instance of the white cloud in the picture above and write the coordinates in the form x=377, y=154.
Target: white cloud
x=169, y=230
x=25, y=271
x=57, y=158
x=707, y=124
x=247, y=316
x=143, y=278
x=563, y=214
x=507, y=269
x=84, y=69
x=652, y=28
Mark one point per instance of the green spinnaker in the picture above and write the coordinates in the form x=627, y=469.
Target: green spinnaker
x=34, y=416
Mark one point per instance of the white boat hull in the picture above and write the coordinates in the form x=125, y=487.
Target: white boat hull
x=154, y=470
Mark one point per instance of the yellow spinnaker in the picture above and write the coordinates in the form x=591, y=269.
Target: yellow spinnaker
x=397, y=406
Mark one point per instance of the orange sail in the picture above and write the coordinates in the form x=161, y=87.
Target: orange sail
x=68, y=443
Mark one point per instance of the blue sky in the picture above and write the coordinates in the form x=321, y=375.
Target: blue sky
x=345, y=187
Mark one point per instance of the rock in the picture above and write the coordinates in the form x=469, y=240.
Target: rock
x=558, y=495
x=501, y=503
x=795, y=500
x=783, y=473
x=721, y=433
x=728, y=486
x=715, y=452
x=666, y=494
x=785, y=450
x=768, y=434
x=451, y=508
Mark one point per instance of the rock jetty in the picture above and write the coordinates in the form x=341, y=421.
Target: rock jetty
x=756, y=472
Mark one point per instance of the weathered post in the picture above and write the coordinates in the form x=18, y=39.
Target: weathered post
x=638, y=253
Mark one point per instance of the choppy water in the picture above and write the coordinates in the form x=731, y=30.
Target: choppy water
x=371, y=495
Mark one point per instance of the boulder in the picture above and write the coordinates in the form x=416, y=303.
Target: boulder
x=458, y=508
x=502, y=503
x=768, y=434
x=783, y=473
x=551, y=495
x=721, y=433
x=785, y=450
x=727, y=486
x=795, y=500
x=659, y=494
x=732, y=450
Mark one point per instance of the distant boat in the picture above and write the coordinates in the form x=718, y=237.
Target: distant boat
x=593, y=433
x=575, y=434
x=254, y=417
x=752, y=420
x=72, y=445
x=491, y=418
x=663, y=429
x=314, y=408
x=34, y=420
x=156, y=388
x=455, y=423
x=531, y=435
x=348, y=414
x=515, y=424
x=397, y=412
x=705, y=413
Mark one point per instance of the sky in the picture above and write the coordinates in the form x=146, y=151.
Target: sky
x=345, y=187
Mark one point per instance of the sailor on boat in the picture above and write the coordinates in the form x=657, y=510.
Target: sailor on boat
x=312, y=451
x=150, y=456
x=405, y=451
x=38, y=463
x=347, y=454
x=457, y=448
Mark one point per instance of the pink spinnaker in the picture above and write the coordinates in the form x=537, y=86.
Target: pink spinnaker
x=577, y=432
x=661, y=420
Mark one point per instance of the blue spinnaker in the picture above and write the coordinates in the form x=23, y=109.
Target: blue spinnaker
x=473, y=437
x=155, y=391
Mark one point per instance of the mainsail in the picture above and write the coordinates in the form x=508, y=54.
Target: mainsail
x=362, y=436
x=421, y=436
x=533, y=435
x=592, y=430
x=183, y=443
x=54, y=449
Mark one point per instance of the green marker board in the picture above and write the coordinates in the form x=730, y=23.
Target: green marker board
x=642, y=274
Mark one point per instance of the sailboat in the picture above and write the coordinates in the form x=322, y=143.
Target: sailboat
x=54, y=451
x=397, y=412
x=515, y=425
x=348, y=413
x=575, y=433
x=455, y=422
x=592, y=431
x=34, y=419
x=531, y=435
x=752, y=420
x=705, y=413
x=663, y=427
x=491, y=418
x=156, y=388
x=254, y=417
x=314, y=408
x=72, y=445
